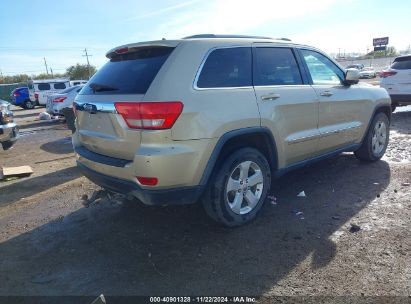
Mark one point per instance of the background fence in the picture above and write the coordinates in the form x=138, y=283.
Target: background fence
x=6, y=89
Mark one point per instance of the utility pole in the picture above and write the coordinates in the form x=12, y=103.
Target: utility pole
x=45, y=63
x=88, y=63
x=51, y=70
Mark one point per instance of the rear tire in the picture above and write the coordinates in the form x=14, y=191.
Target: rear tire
x=7, y=145
x=237, y=191
x=28, y=104
x=376, y=140
x=393, y=107
x=70, y=119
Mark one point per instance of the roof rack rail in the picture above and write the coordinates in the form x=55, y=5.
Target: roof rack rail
x=224, y=36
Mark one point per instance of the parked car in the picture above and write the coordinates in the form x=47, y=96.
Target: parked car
x=397, y=81
x=8, y=128
x=40, y=89
x=368, y=72
x=20, y=96
x=217, y=117
x=57, y=102
x=358, y=66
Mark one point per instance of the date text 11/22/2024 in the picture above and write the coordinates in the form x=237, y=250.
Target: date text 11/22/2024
x=239, y=299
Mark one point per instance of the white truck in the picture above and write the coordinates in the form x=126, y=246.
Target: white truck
x=39, y=90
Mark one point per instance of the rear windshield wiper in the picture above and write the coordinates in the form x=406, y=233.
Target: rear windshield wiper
x=101, y=87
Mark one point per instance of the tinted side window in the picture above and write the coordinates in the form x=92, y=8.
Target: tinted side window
x=276, y=66
x=43, y=86
x=402, y=64
x=60, y=86
x=228, y=67
x=322, y=69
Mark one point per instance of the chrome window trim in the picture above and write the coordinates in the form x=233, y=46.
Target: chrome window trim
x=195, y=87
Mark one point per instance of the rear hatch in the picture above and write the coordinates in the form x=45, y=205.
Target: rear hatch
x=398, y=77
x=125, y=78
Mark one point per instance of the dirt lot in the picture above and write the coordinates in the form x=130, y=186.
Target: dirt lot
x=51, y=245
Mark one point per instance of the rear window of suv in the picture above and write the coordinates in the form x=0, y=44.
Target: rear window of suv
x=402, y=63
x=130, y=73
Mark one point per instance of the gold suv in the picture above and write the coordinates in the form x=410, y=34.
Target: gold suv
x=217, y=117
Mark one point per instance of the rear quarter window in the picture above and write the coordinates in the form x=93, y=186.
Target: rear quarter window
x=60, y=86
x=227, y=67
x=130, y=73
x=43, y=86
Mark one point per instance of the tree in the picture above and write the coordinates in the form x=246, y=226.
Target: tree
x=80, y=71
x=47, y=76
x=391, y=51
x=14, y=79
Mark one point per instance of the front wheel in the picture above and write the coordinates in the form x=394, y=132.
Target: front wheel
x=239, y=188
x=376, y=140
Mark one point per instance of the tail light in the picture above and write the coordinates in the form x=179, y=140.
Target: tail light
x=388, y=73
x=36, y=96
x=150, y=115
x=16, y=94
x=59, y=99
x=122, y=50
x=147, y=181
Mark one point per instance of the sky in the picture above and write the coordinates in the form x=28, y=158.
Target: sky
x=59, y=31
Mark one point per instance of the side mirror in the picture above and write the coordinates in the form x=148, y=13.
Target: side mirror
x=352, y=76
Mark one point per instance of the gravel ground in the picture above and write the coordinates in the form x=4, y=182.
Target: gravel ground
x=50, y=244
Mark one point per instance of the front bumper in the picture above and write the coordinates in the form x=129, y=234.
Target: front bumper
x=9, y=132
x=175, y=196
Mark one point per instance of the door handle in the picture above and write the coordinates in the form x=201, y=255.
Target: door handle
x=270, y=97
x=326, y=93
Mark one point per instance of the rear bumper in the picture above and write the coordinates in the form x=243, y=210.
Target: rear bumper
x=401, y=98
x=8, y=132
x=175, y=196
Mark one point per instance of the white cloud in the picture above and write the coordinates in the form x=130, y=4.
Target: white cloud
x=164, y=10
x=236, y=17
